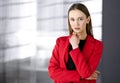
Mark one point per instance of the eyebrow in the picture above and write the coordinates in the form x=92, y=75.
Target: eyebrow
x=78, y=17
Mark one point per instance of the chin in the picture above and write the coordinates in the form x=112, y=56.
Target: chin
x=77, y=31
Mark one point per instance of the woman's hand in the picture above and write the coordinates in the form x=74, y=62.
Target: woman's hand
x=94, y=76
x=74, y=41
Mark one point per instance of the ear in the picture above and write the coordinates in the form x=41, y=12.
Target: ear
x=88, y=19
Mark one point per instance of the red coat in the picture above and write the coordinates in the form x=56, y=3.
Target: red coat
x=86, y=61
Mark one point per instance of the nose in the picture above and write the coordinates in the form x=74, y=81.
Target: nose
x=76, y=22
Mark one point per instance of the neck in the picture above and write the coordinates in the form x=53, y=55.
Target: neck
x=82, y=36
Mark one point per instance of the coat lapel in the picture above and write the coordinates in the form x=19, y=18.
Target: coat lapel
x=88, y=48
x=64, y=51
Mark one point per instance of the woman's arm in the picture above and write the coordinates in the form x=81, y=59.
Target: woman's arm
x=87, y=67
x=58, y=73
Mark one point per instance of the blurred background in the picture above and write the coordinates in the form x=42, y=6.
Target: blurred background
x=28, y=30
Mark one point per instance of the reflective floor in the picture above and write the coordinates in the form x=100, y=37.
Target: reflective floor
x=22, y=71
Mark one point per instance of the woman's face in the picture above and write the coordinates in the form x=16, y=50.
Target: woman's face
x=78, y=21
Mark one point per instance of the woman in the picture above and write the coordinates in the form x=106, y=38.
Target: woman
x=75, y=57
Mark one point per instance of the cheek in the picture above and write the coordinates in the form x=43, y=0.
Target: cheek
x=83, y=23
x=72, y=23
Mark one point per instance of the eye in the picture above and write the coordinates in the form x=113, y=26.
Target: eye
x=72, y=19
x=80, y=18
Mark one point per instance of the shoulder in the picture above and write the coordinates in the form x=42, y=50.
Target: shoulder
x=95, y=41
x=62, y=38
x=62, y=41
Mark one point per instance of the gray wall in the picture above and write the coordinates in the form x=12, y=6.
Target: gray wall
x=111, y=29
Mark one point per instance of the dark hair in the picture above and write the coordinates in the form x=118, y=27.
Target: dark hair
x=84, y=9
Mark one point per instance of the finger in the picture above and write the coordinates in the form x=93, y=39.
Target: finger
x=74, y=32
x=98, y=72
x=95, y=75
x=91, y=78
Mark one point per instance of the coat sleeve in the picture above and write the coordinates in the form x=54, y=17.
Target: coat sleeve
x=84, y=66
x=56, y=72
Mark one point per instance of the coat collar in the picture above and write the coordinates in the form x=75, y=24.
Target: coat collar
x=86, y=49
x=89, y=42
x=89, y=39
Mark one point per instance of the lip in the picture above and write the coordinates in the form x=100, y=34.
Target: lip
x=77, y=28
